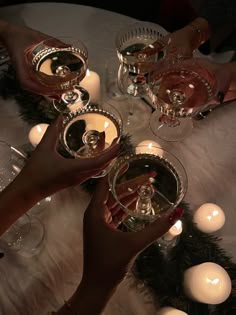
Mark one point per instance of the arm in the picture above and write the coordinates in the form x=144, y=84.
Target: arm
x=108, y=252
x=45, y=173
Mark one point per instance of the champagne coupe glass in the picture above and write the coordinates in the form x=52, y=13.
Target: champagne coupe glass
x=60, y=64
x=91, y=130
x=129, y=43
x=179, y=89
x=26, y=234
x=161, y=192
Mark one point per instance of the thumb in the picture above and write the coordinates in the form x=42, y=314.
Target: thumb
x=51, y=136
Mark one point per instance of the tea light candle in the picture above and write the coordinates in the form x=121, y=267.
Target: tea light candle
x=167, y=310
x=149, y=146
x=209, y=218
x=36, y=133
x=207, y=283
x=92, y=84
x=174, y=231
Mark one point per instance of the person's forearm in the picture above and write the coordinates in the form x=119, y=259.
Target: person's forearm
x=3, y=27
x=16, y=199
x=89, y=298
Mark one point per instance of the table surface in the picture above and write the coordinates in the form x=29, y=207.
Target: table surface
x=41, y=283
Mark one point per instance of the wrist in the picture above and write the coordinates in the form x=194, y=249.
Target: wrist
x=80, y=302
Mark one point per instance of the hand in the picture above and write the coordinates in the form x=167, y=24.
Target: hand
x=108, y=252
x=52, y=172
x=18, y=40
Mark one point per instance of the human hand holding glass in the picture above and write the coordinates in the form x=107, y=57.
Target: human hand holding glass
x=164, y=189
x=60, y=64
x=180, y=88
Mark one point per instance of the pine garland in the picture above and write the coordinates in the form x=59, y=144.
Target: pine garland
x=164, y=277
x=161, y=275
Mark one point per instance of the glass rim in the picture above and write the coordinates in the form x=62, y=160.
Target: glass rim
x=68, y=118
x=182, y=177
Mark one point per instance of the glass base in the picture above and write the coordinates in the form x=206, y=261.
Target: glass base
x=25, y=236
x=32, y=244
x=170, y=129
x=135, y=113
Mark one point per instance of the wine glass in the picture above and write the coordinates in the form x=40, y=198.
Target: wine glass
x=130, y=42
x=90, y=131
x=179, y=89
x=163, y=189
x=26, y=234
x=61, y=64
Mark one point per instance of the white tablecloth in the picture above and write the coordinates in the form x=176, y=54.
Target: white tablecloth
x=41, y=283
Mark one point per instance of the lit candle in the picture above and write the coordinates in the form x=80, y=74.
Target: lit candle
x=36, y=133
x=167, y=310
x=149, y=146
x=174, y=231
x=207, y=283
x=92, y=84
x=209, y=218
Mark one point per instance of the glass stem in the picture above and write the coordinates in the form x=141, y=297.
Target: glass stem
x=169, y=121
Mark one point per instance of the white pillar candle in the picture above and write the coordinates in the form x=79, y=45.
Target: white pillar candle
x=207, y=283
x=149, y=146
x=174, y=231
x=209, y=218
x=92, y=84
x=36, y=133
x=167, y=310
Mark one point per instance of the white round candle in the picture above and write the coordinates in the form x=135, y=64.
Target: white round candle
x=207, y=283
x=36, y=133
x=91, y=83
x=174, y=231
x=209, y=218
x=167, y=310
x=149, y=146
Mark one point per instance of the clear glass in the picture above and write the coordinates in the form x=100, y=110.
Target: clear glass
x=61, y=64
x=179, y=89
x=90, y=131
x=26, y=234
x=132, y=79
x=162, y=190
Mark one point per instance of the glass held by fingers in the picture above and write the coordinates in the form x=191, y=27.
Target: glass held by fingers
x=180, y=90
x=157, y=179
x=60, y=64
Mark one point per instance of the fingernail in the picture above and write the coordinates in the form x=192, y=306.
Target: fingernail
x=175, y=215
x=1, y=255
x=220, y=97
x=153, y=174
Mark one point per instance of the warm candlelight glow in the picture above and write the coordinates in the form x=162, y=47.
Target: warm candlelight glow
x=174, y=231
x=92, y=84
x=207, y=283
x=149, y=146
x=167, y=310
x=36, y=133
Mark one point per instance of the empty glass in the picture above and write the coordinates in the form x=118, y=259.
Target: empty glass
x=26, y=234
